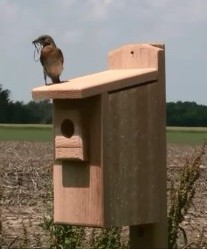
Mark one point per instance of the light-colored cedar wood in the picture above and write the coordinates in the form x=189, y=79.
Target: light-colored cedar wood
x=69, y=147
x=143, y=56
x=78, y=186
x=95, y=84
x=160, y=229
x=69, y=154
x=133, y=56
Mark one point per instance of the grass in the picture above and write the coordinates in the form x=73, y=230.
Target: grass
x=20, y=132
x=186, y=135
x=43, y=133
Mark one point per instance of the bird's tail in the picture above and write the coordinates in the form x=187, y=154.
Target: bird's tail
x=56, y=79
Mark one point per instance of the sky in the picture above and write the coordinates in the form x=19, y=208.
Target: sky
x=87, y=30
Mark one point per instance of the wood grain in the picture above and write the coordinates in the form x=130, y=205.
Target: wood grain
x=95, y=84
x=151, y=144
x=78, y=186
x=130, y=176
x=74, y=147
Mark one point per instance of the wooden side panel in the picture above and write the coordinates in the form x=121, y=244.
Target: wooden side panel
x=150, y=154
x=78, y=197
x=155, y=235
x=131, y=189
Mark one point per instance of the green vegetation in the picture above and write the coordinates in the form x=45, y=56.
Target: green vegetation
x=17, y=112
x=186, y=114
x=42, y=133
x=77, y=237
x=186, y=135
x=183, y=114
x=63, y=236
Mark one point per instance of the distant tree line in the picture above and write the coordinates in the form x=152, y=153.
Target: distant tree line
x=178, y=113
x=20, y=113
x=186, y=114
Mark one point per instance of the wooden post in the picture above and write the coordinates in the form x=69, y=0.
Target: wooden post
x=132, y=56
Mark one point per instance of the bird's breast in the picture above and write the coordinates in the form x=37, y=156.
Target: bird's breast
x=51, y=60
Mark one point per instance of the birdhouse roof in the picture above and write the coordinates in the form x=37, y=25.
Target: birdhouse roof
x=95, y=84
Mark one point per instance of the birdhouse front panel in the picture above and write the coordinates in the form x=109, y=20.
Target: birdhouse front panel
x=78, y=184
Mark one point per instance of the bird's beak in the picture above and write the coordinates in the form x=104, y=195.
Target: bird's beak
x=36, y=41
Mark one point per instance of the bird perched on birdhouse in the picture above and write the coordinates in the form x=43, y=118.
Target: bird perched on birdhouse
x=51, y=58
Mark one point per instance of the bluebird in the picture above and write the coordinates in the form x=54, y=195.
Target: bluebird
x=51, y=58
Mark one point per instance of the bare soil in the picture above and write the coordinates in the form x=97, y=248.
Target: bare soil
x=26, y=196
x=26, y=177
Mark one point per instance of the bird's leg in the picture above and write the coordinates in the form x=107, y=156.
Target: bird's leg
x=45, y=76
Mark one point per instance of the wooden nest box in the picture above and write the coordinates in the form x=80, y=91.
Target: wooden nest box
x=109, y=139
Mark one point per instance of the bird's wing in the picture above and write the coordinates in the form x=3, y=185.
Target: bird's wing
x=60, y=55
x=43, y=56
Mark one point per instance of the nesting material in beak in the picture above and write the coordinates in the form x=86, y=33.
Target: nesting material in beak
x=38, y=47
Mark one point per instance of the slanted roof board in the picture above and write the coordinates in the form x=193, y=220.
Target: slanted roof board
x=95, y=84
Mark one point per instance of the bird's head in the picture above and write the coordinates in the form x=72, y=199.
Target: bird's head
x=44, y=40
